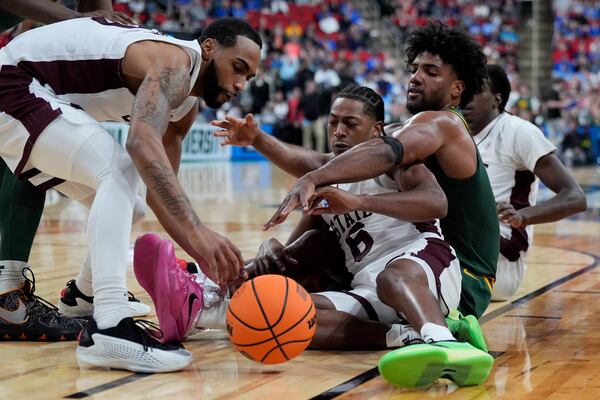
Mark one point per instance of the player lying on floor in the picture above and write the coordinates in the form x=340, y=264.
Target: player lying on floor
x=405, y=276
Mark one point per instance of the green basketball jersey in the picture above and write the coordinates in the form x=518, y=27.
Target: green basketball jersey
x=471, y=225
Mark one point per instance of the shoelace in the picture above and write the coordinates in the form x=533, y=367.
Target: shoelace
x=149, y=333
x=30, y=293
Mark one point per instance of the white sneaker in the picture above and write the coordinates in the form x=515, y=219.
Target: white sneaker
x=75, y=304
x=131, y=345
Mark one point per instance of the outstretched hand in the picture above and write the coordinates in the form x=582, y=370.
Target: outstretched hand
x=237, y=131
x=301, y=195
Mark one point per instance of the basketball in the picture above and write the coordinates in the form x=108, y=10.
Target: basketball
x=271, y=319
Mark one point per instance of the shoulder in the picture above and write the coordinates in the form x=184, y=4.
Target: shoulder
x=521, y=129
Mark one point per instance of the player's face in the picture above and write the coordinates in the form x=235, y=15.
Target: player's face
x=228, y=70
x=431, y=84
x=482, y=109
x=349, y=125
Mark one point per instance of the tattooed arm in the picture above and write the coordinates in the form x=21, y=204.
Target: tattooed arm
x=164, y=86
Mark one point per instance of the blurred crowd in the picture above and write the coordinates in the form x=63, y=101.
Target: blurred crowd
x=312, y=48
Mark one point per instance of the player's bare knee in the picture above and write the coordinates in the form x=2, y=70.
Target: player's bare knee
x=398, y=276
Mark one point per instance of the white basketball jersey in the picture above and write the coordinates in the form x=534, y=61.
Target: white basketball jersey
x=510, y=147
x=366, y=237
x=78, y=62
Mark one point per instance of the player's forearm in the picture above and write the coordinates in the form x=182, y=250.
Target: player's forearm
x=564, y=204
x=94, y=5
x=295, y=160
x=39, y=10
x=413, y=205
x=365, y=161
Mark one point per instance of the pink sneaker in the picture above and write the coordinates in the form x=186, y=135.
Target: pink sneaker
x=176, y=295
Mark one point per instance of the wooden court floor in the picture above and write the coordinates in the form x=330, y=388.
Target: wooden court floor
x=546, y=339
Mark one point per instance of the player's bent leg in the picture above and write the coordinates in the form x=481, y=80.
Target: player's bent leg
x=403, y=286
x=74, y=147
x=76, y=298
x=408, y=285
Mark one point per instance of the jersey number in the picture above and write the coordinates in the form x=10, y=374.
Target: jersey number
x=362, y=240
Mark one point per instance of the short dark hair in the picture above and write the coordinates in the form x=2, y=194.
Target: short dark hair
x=499, y=83
x=372, y=102
x=456, y=48
x=226, y=30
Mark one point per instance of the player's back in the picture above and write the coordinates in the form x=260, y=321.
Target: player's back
x=78, y=61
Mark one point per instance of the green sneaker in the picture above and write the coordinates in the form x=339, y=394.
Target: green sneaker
x=466, y=329
x=420, y=365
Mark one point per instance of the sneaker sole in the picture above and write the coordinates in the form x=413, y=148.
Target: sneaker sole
x=37, y=336
x=102, y=355
x=422, y=364
x=153, y=276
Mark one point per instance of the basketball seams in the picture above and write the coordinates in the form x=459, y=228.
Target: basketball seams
x=299, y=321
x=285, y=300
x=267, y=319
x=245, y=323
x=279, y=334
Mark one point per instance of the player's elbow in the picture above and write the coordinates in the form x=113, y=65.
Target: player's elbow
x=441, y=205
x=437, y=205
x=578, y=200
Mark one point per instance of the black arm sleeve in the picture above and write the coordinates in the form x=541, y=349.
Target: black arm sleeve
x=396, y=146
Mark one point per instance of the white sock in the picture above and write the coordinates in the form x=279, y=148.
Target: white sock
x=11, y=275
x=400, y=335
x=110, y=306
x=436, y=333
x=84, y=279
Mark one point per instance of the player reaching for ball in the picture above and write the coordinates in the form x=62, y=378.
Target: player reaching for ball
x=403, y=269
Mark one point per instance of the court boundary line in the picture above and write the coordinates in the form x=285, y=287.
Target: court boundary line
x=372, y=373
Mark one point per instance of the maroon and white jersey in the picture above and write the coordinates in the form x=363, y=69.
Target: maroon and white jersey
x=78, y=62
x=367, y=237
x=510, y=147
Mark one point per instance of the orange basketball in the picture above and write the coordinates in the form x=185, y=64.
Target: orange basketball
x=271, y=319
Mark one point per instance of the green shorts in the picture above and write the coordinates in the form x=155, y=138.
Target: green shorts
x=476, y=293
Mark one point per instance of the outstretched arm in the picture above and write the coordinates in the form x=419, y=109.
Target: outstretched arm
x=48, y=11
x=569, y=199
x=420, y=138
x=164, y=87
x=426, y=134
x=294, y=160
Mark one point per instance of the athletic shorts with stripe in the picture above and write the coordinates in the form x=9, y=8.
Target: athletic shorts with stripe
x=435, y=256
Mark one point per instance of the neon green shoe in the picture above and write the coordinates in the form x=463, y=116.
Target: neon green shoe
x=466, y=329
x=420, y=365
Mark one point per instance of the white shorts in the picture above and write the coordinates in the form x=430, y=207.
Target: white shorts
x=509, y=275
x=18, y=137
x=435, y=256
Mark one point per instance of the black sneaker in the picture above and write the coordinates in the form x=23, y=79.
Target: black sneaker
x=131, y=345
x=25, y=316
x=73, y=303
